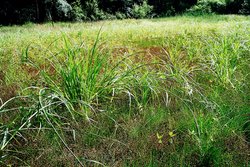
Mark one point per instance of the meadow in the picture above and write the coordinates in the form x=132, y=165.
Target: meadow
x=161, y=92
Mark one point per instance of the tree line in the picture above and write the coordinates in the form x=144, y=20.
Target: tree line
x=19, y=12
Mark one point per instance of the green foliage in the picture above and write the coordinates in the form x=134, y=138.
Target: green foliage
x=120, y=15
x=63, y=8
x=57, y=10
x=245, y=7
x=141, y=11
x=207, y=7
x=77, y=12
x=220, y=7
x=93, y=11
x=17, y=12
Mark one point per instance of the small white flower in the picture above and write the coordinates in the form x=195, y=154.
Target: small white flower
x=189, y=89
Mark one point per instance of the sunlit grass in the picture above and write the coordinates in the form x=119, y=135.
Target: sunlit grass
x=170, y=91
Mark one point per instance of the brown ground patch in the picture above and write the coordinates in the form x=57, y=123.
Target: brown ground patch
x=239, y=147
x=143, y=55
x=120, y=51
x=155, y=50
x=34, y=72
x=146, y=51
x=236, y=143
x=149, y=54
x=1, y=77
x=6, y=91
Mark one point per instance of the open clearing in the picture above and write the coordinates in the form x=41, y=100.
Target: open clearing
x=161, y=92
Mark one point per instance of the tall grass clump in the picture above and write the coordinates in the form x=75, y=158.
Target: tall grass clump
x=78, y=80
x=89, y=79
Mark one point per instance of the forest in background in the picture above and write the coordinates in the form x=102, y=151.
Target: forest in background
x=38, y=11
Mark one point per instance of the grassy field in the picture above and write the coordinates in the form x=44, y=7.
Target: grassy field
x=161, y=92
